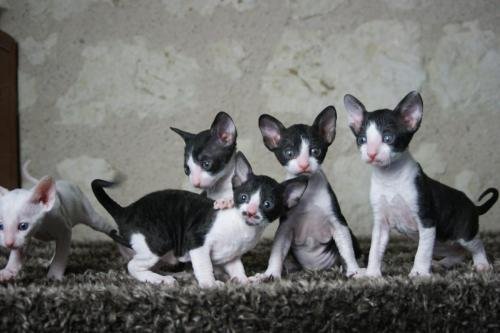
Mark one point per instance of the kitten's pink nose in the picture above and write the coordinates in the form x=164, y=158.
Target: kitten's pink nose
x=9, y=244
x=303, y=165
x=372, y=156
x=251, y=211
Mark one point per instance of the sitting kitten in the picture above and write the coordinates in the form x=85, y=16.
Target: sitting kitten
x=315, y=229
x=209, y=158
x=47, y=212
x=184, y=226
x=443, y=219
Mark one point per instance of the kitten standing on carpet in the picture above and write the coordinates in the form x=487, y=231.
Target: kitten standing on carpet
x=315, y=230
x=47, y=212
x=444, y=220
x=209, y=158
x=184, y=226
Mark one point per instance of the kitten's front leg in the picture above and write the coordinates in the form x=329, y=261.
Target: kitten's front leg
x=380, y=238
x=281, y=246
x=423, y=258
x=13, y=265
x=236, y=271
x=342, y=237
x=202, y=267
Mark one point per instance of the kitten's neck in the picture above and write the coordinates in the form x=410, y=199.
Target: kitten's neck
x=223, y=185
x=397, y=167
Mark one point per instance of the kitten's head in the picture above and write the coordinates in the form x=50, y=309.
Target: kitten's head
x=208, y=153
x=383, y=135
x=300, y=148
x=21, y=210
x=261, y=199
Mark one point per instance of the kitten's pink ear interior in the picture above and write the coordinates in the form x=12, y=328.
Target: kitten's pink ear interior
x=223, y=129
x=44, y=193
x=355, y=110
x=270, y=128
x=3, y=191
x=242, y=170
x=326, y=122
x=294, y=189
x=411, y=109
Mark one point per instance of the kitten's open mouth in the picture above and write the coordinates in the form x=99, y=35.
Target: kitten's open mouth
x=252, y=222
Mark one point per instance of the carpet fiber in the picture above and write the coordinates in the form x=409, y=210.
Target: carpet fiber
x=98, y=295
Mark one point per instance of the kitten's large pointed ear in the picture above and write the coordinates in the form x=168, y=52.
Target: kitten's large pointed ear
x=293, y=190
x=326, y=123
x=3, y=191
x=44, y=193
x=184, y=135
x=356, y=111
x=223, y=129
x=411, y=109
x=271, y=129
x=242, y=170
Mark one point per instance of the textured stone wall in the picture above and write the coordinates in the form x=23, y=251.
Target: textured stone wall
x=102, y=81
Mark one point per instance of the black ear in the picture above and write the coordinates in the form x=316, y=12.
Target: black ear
x=411, y=109
x=271, y=129
x=242, y=170
x=223, y=129
x=325, y=124
x=293, y=190
x=184, y=135
x=356, y=111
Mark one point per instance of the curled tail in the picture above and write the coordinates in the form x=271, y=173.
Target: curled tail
x=490, y=202
x=27, y=175
x=104, y=199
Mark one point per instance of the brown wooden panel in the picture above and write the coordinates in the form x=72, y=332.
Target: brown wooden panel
x=9, y=123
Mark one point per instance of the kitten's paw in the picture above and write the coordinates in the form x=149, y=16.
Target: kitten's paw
x=263, y=277
x=223, y=203
x=358, y=274
x=374, y=273
x=211, y=284
x=416, y=273
x=480, y=268
x=7, y=275
x=168, y=280
x=239, y=280
x=56, y=276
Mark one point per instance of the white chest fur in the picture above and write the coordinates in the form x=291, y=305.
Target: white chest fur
x=230, y=237
x=394, y=195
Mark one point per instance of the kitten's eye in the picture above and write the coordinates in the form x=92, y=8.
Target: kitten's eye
x=268, y=204
x=243, y=197
x=315, y=152
x=361, y=139
x=388, y=138
x=288, y=152
x=23, y=226
x=186, y=170
x=206, y=164
x=1, y=226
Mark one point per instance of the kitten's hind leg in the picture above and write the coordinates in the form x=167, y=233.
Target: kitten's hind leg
x=452, y=255
x=142, y=262
x=476, y=248
x=60, y=259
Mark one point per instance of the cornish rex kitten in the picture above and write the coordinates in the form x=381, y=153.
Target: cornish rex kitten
x=184, y=226
x=47, y=212
x=209, y=158
x=315, y=230
x=443, y=219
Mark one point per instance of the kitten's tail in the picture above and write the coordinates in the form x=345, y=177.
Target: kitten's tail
x=491, y=201
x=105, y=200
x=27, y=175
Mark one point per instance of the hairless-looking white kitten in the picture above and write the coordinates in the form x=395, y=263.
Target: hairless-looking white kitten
x=442, y=219
x=47, y=212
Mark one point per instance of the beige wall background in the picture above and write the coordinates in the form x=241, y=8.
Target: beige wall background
x=101, y=82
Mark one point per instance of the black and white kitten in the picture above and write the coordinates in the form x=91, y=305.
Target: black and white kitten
x=315, y=230
x=443, y=219
x=209, y=157
x=176, y=225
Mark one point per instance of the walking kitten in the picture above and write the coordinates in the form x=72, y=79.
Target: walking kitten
x=177, y=225
x=443, y=219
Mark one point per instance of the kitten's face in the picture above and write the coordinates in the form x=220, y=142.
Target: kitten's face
x=261, y=199
x=22, y=210
x=383, y=135
x=208, y=153
x=300, y=148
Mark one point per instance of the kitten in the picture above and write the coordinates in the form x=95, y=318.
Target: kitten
x=47, y=212
x=183, y=226
x=209, y=158
x=315, y=230
x=443, y=219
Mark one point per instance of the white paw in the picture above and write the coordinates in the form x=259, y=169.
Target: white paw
x=483, y=268
x=358, y=274
x=168, y=280
x=416, y=272
x=373, y=273
x=211, y=284
x=56, y=276
x=223, y=203
x=7, y=275
x=239, y=280
x=263, y=277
